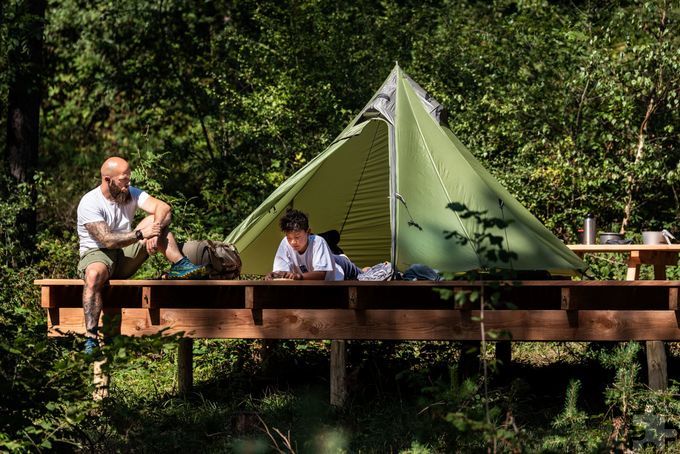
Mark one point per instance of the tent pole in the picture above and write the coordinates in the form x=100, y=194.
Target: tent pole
x=392, y=145
x=393, y=198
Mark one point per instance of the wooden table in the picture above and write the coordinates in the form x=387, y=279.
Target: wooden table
x=660, y=256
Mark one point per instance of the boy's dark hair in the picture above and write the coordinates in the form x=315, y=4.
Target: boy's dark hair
x=294, y=220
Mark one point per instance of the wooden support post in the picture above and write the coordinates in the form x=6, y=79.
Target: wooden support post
x=253, y=305
x=249, y=297
x=657, y=369
x=659, y=271
x=101, y=381
x=569, y=299
x=633, y=272
x=353, y=299
x=673, y=299
x=657, y=365
x=149, y=297
x=504, y=353
x=47, y=297
x=185, y=365
x=338, y=372
x=468, y=365
x=48, y=301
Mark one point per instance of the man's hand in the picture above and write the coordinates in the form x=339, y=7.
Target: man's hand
x=152, y=230
x=152, y=245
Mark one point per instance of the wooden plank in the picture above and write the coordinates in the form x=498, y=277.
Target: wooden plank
x=377, y=284
x=185, y=365
x=663, y=258
x=531, y=325
x=61, y=296
x=69, y=320
x=338, y=372
x=72, y=320
x=618, y=298
x=623, y=247
x=521, y=297
x=46, y=299
x=673, y=297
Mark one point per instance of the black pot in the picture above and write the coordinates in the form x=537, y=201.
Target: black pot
x=611, y=238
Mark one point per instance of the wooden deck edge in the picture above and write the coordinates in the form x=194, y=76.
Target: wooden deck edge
x=454, y=325
x=261, y=283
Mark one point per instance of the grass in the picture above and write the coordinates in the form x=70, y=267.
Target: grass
x=252, y=398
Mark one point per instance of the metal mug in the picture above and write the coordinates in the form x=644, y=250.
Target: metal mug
x=653, y=237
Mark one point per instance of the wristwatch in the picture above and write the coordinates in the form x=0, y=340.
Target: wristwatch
x=139, y=235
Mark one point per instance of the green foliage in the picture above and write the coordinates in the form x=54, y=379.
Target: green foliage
x=624, y=395
x=40, y=407
x=573, y=431
x=15, y=199
x=573, y=107
x=552, y=98
x=486, y=242
x=480, y=419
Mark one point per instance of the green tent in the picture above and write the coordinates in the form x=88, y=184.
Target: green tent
x=386, y=184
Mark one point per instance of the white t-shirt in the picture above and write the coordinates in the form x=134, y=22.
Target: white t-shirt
x=317, y=257
x=94, y=207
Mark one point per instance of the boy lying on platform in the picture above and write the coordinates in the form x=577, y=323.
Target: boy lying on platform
x=304, y=256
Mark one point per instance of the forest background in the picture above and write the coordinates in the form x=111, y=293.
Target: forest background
x=573, y=105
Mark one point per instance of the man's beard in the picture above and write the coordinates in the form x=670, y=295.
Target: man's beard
x=119, y=196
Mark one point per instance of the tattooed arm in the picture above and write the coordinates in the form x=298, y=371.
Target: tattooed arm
x=110, y=240
x=101, y=232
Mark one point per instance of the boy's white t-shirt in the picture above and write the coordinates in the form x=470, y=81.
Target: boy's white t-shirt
x=94, y=207
x=317, y=257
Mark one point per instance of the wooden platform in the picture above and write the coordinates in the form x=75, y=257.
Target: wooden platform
x=398, y=310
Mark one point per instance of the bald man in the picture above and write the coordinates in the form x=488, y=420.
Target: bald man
x=110, y=248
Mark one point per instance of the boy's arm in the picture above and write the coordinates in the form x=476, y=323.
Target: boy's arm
x=322, y=261
x=310, y=276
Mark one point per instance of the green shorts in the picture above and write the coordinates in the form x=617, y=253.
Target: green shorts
x=121, y=263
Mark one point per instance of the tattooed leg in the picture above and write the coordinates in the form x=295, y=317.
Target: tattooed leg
x=96, y=275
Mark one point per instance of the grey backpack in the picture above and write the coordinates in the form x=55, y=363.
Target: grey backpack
x=221, y=260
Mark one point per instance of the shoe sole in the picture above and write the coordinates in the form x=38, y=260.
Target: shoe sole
x=194, y=273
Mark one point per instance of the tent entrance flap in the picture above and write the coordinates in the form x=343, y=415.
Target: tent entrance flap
x=345, y=188
x=361, y=179
x=350, y=193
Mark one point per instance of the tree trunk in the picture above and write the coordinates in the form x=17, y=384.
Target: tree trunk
x=639, y=155
x=655, y=97
x=23, y=105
